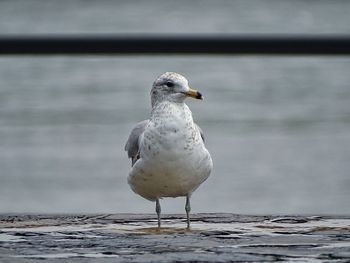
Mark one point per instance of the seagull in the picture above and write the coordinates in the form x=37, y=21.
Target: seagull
x=167, y=151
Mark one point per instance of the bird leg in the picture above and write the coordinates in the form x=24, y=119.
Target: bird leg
x=188, y=209
x=158, y=209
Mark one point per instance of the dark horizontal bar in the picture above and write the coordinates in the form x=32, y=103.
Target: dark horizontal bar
x=176, y=44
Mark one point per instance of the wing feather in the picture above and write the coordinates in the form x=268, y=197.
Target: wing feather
x=132, y=145
x=200, y=131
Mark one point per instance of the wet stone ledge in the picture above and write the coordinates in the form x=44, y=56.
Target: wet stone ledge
x=212, y=238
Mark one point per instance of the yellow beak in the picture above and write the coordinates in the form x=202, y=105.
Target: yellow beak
x=194, y=94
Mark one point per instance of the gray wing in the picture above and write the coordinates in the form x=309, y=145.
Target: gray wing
x=132, y=144
x=200, y=131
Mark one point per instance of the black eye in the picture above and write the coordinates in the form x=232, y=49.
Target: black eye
x=169, y=84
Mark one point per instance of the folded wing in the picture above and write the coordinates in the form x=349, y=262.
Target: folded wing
x=200, y=131
x=132, y=145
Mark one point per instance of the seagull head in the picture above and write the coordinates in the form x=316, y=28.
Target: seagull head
x=174, y=87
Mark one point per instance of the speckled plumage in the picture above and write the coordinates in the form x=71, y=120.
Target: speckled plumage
x=168, y=155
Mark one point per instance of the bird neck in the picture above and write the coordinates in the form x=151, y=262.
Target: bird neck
x=166, y=101
x=169, y=109
x=158, y=98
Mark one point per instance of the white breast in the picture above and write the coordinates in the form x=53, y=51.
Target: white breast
x=174, y=160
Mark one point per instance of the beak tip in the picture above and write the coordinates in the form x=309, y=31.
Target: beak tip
x=199, y=96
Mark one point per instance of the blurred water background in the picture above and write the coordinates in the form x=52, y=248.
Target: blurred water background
x=278, y=127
